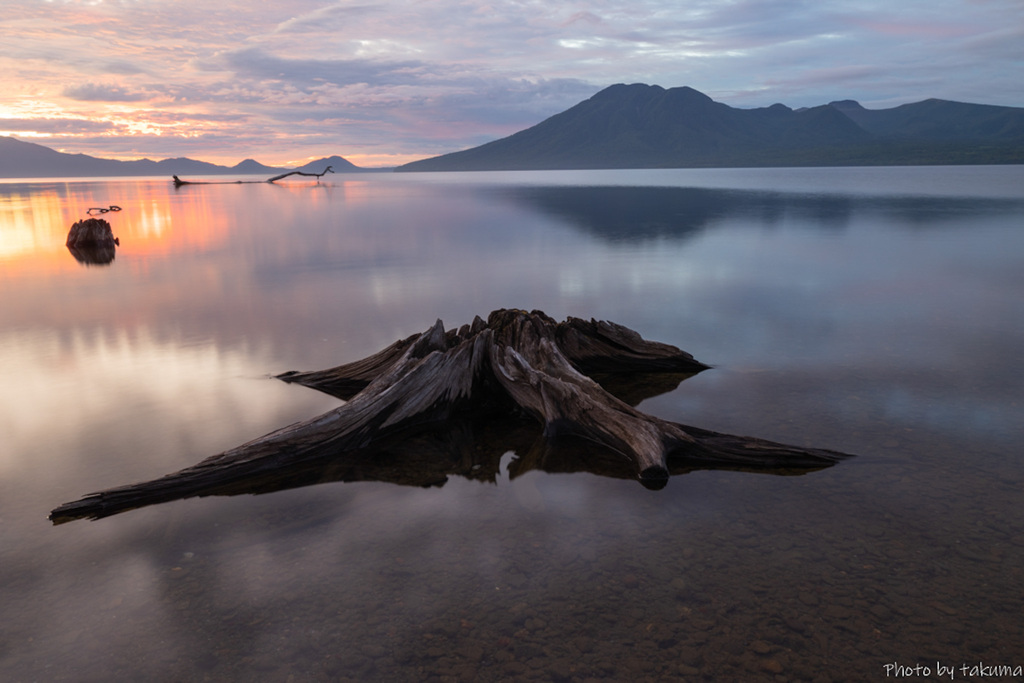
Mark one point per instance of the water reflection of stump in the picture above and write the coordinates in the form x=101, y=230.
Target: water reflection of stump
x=560, y=396
x=91, y=241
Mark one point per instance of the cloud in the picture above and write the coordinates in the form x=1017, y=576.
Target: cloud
x=333, y=17
x=259, y=64
x=829, y=76
x=55, y=126
x=588, y=17
x=409, y=99
x=94, y=92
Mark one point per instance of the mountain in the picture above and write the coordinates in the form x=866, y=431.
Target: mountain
x=19, y=159
x=337, y=164
x=647, y=126
x=253, y=167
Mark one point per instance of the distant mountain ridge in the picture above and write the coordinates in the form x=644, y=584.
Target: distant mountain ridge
x=647, y=126
x=20, y=159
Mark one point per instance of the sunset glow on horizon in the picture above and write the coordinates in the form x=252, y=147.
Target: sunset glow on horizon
x=399, y=80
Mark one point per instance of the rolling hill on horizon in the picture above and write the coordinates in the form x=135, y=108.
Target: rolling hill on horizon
x=647, y=126
x=20, y=159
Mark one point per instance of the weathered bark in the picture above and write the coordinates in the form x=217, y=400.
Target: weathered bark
x=442, y=402
x=598, y=349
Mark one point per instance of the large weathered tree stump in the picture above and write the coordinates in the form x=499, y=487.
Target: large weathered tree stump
x=454, y=401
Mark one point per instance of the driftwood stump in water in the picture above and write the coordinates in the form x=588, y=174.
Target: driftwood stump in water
x=91, y=232
x=433, y=388
x=92, y=241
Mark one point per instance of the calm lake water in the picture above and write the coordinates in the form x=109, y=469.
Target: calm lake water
x=879, y=312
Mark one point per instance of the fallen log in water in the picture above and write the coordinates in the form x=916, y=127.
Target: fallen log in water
x=452, y=402
x=329, y=169
x=178, y=182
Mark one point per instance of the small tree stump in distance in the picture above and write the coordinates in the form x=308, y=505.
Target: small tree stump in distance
x=92, y=241
x=429, y=392
x=91, y=232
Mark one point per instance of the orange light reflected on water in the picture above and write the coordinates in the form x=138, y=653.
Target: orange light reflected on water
x=35, y=220
x=158, y=220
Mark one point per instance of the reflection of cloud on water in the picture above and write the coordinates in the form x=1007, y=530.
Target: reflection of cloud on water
x=629, y=214
x=66, y=389
x=86, y=409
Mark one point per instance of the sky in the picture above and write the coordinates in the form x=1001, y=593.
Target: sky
x=390, y=81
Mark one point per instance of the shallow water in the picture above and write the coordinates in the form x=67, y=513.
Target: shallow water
x=871, y=311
